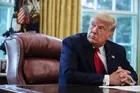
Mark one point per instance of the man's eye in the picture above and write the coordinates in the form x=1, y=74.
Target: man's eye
x=93, y=25
x=101, y=28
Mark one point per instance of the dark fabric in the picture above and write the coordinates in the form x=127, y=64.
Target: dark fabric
x=100, y=69
x=77, y=64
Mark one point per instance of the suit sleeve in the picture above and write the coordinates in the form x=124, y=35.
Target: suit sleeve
x=126, y=65
x=69, y=67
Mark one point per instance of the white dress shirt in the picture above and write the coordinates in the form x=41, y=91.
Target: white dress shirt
x=102, y=56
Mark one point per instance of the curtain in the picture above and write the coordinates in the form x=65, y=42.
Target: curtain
x=59, y=18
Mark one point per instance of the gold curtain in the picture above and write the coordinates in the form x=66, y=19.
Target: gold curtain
x=60, y=18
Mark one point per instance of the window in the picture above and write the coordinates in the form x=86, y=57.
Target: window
x=6, y=11
x=126, y=14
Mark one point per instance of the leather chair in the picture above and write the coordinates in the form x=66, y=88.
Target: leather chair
x=32, y=58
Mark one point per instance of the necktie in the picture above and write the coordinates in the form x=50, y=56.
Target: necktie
x=98, y=63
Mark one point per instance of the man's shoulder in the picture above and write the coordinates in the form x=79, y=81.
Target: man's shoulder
x=113, y=44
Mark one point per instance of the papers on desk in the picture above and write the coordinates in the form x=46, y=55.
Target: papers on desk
x=126, y=88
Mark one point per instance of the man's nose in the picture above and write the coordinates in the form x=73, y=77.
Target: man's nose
x=94, y=30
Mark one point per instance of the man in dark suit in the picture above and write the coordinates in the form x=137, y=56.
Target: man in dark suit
x=90, y=58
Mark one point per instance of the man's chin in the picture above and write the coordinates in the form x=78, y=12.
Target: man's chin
x=92, y=41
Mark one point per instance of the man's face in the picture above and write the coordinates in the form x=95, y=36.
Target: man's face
x=99, y=32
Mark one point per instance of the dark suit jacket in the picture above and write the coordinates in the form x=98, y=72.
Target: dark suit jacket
x=77, y=64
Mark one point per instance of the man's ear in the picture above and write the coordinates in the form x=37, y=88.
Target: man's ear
x=110, y=34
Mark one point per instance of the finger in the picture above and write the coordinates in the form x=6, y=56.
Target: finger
x=122, y=84
x=119, y=70
x=124, y=80
x=129, y=78
x=122, y=70
x=128, y=72
x=127, y=82
x=123, y=75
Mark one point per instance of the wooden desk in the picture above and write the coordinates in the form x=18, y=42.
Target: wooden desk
x=55, y=88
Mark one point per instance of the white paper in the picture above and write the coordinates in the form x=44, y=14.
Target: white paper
x=126, y=88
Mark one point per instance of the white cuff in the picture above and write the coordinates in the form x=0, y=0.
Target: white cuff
x=106, y=80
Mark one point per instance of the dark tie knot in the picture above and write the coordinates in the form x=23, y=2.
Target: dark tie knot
x=97, y=49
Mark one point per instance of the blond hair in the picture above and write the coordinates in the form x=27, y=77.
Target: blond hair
x=105, y=16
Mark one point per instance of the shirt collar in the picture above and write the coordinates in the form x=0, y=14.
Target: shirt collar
x=101, y=49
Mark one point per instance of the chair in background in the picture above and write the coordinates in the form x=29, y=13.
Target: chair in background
x=32, y=58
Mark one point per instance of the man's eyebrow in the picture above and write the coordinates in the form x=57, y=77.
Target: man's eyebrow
x=102, y=26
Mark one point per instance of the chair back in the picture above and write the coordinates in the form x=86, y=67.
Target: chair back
x=32, y=58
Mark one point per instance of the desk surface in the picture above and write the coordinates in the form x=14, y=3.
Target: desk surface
x=55, y=88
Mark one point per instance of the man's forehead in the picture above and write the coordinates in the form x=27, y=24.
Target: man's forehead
x=100, y=22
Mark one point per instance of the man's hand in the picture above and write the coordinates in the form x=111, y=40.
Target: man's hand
x=125, y=79
x=122, y=77
x=120, y=70
x=115, y=78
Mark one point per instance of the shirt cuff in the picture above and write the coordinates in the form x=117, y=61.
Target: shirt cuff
x=106, y=80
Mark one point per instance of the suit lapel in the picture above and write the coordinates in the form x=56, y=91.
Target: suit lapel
x=89, y=54
x=90, y=58
x=110, y=58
